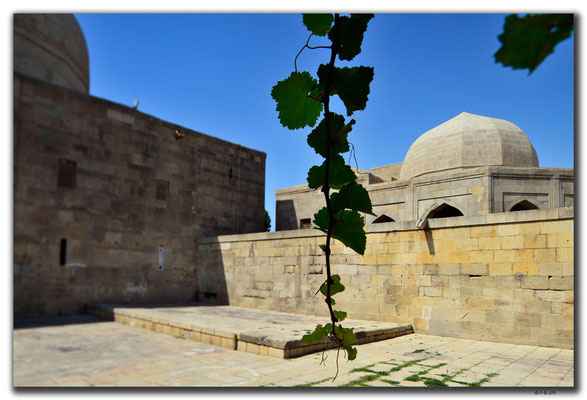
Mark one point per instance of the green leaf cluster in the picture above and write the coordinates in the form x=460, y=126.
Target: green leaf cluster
x=352, y=196
x=344, y=337
x=267, y=222
x=317, y=335
x=351, y=31
x=350, y=84
x=335, y=286
x=347, y=339
x=339, y=174
x=349, y=224
x=300, y=100
x=338, y=136
x=349, y=228
x=527, y=41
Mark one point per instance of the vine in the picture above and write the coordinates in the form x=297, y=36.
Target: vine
x=300, y=101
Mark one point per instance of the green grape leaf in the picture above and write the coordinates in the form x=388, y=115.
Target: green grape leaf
x=351, y=196
x=338, y=136
x=348, y=229
x=347, y=337
x=354, y=87
x=318, y=24
x=316, y=336
x=351, y=352
x=339, y=175
x=321, y=219
x=350, y=34
x=335, y=287
x=296, y=109
x=351, y=85
x=340, y=315
x=527, y=41
x=316, y=176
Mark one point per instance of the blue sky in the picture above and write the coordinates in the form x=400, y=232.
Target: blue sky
x=213, y=73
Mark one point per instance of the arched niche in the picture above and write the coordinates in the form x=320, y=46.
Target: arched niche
x=443, y=210
x=523, y=205
x=382, y=219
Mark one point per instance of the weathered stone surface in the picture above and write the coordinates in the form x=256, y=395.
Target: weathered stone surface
x=51, y=47
x=478, y=165
x=113, y=220
x=449, y=296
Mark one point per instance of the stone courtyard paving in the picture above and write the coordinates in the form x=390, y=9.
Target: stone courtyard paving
x=97, y=353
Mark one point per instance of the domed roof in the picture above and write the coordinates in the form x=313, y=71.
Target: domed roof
x=469, y=140
x=51, y=47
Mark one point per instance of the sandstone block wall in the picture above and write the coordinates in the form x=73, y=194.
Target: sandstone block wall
x=129, y=187
x=504, y=277
x=474, y=191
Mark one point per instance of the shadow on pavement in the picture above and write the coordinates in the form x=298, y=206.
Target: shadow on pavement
x=23, y=323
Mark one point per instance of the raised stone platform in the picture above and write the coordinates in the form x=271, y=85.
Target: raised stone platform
x=270, y=333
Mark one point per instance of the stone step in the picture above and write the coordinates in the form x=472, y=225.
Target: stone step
x=264, y=332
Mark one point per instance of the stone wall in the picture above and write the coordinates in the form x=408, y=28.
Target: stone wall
x=504, y=277
x=473, y=191
x=114, y=185
x=296, y=205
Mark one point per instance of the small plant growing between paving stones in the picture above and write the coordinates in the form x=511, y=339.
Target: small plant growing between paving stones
x=300, y=100
x=375, y=372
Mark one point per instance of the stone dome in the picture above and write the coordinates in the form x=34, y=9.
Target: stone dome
x=52, y=48
x=466, y=141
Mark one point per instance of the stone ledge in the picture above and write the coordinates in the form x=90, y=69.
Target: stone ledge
x=455, y=222
x=297, y=233
x=257, y=342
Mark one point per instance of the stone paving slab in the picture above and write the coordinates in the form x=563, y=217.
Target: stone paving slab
x=111, y=354
x=262, y=332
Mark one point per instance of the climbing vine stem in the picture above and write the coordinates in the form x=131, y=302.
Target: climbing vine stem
x=300, y=100
x=326, y=186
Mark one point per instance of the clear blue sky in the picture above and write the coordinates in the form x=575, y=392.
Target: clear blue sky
x=213, y=73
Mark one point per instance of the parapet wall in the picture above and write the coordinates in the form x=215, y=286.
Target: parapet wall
x=504, y=277
x=473, y=191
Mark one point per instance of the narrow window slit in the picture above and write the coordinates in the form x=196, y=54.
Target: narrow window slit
x=63, y=252
x=66, y=175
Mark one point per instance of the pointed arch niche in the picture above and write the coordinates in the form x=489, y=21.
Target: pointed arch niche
x=444, y=210
x=523, y=205
x=383, y=218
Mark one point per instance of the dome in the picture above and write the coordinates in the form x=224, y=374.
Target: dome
x=466, y=141
x=52, y=48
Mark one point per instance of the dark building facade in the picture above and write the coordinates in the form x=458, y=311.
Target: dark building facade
x=109, y=202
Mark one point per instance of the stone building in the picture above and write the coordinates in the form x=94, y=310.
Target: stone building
x=470, y=165
x=109, y=202
x=471, y=239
